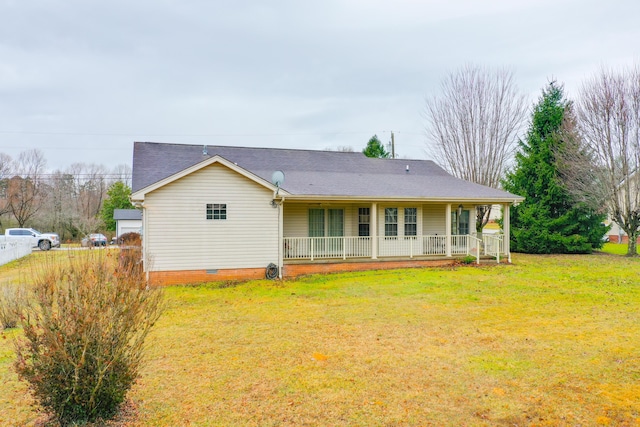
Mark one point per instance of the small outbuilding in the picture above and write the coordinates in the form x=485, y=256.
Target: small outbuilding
x=127, y=221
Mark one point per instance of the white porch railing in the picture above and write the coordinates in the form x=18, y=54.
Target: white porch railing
x=493, y=245
x=475, y=247
x=409, y=246
x=434, y=245
x=460, y=244
x=313, y=248
x=326, y=247
x=13, y=249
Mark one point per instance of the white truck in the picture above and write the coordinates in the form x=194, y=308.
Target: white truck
x=44, y=241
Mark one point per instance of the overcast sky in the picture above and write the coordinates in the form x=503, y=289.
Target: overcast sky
x=81, y=80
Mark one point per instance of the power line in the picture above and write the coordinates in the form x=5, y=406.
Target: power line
x=143, y=134
x=179, y=134
x=64, y=175
x=112, y=175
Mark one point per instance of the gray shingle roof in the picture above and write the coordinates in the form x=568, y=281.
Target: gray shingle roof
x=123, y=214
x=316, y=173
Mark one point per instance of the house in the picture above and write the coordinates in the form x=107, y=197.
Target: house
x=220, y=213
x=127, y=221
x=626, y=198
x=616, y=234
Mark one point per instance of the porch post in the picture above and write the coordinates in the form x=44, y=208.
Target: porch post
x=447, y=222
x=473, y=220
x=373, y=231
x=506, y=228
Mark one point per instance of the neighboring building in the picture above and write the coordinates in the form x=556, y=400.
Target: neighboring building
x=213, y=213
x=616, y=234
x=127, y=221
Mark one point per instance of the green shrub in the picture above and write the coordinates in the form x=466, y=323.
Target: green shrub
x=469, y=259
x=84, y=328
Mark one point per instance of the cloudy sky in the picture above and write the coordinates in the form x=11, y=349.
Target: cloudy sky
x=81, y=80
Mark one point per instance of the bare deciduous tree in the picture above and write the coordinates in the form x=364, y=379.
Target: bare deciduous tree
x=89, y=189
x=607, y=170
x=122, y=173
x=6, y=164
x=61, y=215
x=339, y=148
x=25, y=189
x=345, y=149
x=473, y=126
x=66, y=201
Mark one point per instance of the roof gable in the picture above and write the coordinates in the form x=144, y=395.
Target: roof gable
x=209, y=160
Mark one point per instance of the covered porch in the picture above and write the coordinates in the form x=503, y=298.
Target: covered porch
x=357, y=232
x=316, y=248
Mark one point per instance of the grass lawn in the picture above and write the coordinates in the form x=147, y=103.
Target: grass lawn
x=617, y=249
x=549, y=340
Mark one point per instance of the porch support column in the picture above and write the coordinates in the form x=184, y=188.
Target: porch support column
x=506, y=228
x=447, y=222
x=373, y=228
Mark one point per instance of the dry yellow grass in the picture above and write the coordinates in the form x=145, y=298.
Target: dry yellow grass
x=549, y=340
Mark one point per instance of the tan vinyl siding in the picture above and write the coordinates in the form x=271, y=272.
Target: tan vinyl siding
x=179, y=237
x=296, y=220
x=433, y=220
x=350, y=220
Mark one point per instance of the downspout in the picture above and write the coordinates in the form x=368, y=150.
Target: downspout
x=280, y=237
x=280, y=228
x=138, y=204
x=144, y=244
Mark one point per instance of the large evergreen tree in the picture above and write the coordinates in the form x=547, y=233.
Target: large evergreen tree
x=375, y=148
x=117, y=198
x=549, y=220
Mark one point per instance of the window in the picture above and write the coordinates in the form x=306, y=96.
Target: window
x=316, y=222
x=364, y=222
x=460, y=225
x=390, y=222
x=326, y=223
x=21, y=232
x=336, y=222
x=216, y=211
x=410, y=221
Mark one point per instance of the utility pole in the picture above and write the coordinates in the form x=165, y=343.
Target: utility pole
x=393, y=146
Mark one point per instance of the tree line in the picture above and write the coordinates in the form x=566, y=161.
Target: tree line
x=577, y=163
x=70, y=202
